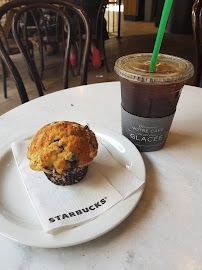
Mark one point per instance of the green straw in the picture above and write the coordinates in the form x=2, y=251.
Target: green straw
x=159, y=38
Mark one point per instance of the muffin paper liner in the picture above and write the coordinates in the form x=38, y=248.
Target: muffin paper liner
x=68, y=177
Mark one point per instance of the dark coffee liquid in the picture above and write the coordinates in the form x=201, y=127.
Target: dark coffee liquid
x=148, y=100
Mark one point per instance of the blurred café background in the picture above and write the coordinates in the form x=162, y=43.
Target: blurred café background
x=132, y=26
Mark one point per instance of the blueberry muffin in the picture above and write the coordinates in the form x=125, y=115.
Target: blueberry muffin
x=62, y=150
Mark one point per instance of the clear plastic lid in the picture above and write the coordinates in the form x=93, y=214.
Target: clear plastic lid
x=168, y=69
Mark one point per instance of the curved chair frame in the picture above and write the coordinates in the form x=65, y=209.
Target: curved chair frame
x=97, y=36
x=99, y=32
x=19, y=41
x=197, y=33
x=25, y=5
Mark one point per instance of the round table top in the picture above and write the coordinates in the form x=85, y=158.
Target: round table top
x=164, y=231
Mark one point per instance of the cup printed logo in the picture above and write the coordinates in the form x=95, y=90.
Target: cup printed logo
x=145, y=133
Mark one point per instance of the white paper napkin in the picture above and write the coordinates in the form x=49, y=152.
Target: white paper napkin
x=105, y=184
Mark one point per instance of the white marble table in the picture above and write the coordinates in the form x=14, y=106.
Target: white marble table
x=165, y=229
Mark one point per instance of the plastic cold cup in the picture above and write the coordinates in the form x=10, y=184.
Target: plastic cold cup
x=149, y=100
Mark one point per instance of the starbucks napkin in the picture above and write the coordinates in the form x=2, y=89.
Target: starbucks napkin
x=105, y=184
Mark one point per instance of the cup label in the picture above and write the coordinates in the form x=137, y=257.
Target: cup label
x=148, y=134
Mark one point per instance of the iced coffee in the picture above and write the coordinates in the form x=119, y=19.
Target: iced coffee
x=149, y=100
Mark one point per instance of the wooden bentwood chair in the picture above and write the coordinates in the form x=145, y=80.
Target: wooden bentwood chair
x=197, y=33
x=99, y=33
x=97, y=36
x=60, y=7
x=12, y=49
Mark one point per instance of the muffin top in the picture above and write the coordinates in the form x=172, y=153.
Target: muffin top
x=55, y=146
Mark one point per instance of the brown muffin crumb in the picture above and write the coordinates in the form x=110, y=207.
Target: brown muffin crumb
x=61, y=146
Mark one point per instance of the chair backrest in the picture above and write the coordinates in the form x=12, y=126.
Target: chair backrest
x=60, y=7
x=100, y=18
x=197, y=33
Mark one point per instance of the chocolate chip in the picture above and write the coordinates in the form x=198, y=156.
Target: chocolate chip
x=74, y=164
x=61, y=146
x=73, y=157
x=86, y=127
